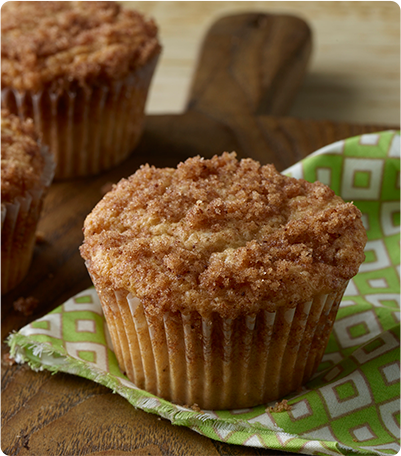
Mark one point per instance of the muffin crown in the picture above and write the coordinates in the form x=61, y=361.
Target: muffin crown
x=22, y=160
x=222, y=235
x=65, y=43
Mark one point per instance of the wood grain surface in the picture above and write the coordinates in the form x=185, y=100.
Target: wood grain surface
x=247, y=75
x=354, y=70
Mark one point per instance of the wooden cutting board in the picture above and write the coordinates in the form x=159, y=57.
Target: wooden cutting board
x=247, y=75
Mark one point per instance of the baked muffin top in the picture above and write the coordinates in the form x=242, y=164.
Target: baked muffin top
x=64, y=43
x=222, y=235
x=22, y=161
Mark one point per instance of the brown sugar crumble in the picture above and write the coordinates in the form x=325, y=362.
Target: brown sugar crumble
x=61, y=43
x=278, y=407
x=26, y=305
x=195, y=407
x=22, y=161
x=222, y=235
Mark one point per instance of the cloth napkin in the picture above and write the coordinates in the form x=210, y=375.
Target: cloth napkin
x=352, y=405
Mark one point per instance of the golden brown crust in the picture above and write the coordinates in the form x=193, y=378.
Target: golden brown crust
x=22, y=161
x=222, y=235
x=64, y=43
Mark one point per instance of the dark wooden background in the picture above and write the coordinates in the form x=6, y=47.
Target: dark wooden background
x=248, y=73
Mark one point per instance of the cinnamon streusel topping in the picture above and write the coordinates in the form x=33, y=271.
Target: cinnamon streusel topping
x=222, y=235
x=64, y=43
x=22, y=161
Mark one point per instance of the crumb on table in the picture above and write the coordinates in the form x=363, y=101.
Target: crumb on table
x=26, y=305
x=6, y=359
x=40, y=237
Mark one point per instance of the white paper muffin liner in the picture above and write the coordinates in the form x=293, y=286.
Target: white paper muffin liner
x=91, y=129
x=19, y=220
x=219, y=363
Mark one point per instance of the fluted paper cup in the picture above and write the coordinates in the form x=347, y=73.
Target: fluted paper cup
x=215, y=362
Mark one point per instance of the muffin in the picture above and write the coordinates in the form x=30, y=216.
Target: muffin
x=220, y=280
x=82, y=71
x=27, y=169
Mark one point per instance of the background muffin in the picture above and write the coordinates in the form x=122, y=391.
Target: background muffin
x=220, y=280
x=82, y=71
x=27, y=169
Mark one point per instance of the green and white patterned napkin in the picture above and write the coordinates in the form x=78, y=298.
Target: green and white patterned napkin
x=352, y=405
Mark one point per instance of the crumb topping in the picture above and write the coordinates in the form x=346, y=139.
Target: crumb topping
x=22, y=161
x=222, y=235
x=61, y=43
x=282, y=406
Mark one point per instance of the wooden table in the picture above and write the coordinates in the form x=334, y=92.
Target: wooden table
x=63, y=415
